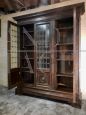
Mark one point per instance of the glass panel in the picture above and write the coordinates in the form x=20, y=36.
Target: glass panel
x=14, y=46
x=27, y=54
x=64, y=44
x=43, y=42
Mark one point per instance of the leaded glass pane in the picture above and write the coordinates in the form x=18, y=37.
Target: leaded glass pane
x=14, y=46
x=43, y=46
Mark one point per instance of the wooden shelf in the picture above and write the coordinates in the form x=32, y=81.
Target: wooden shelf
x=24, y=67
x=65, y=75
x=29, y=45
x=31, y=58
x=65, y=28
x=31, y=31
x=64, y=59
x=61, y=44
x=27, y=58
x=61, y=84
x=28, y=72
x=64, y=51
x=64, y=88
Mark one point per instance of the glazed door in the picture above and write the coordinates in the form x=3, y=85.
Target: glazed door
x=42, y=57
x=13, y=54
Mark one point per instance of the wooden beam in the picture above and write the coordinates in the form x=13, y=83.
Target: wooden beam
x=2, y=4
x=19, y=2
x=8, y=4
x=15, y=5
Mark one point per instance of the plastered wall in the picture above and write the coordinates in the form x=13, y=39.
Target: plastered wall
x=3, y=44
x=82, y=65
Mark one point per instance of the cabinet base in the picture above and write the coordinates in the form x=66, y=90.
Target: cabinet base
x=63, y=97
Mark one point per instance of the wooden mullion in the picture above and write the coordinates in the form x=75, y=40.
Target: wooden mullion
x=53, y=58
x=75, y=56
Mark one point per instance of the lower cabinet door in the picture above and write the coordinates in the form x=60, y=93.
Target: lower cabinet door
x=43, y=78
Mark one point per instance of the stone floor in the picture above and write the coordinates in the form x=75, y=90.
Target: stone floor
x=11, y=104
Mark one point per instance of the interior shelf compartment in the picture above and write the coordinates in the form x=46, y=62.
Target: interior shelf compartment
x=25, y=69
x=27, y=77
x=65, y=23
x=64, y=57
x=64, y=53
x=64, y=67
x=29, y=27
x=64, y=82
x=64, y=31
x=27, y=35
x=25, y=63
x=26, y=54
x=65, y=89
x=27, y=41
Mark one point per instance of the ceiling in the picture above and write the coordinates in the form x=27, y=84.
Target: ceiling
x=10, y=6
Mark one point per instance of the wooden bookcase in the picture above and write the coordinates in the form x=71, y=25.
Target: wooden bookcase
x=49, y=51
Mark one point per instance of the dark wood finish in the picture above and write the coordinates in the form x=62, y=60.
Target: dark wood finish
x=49, y=16
x=61, y=80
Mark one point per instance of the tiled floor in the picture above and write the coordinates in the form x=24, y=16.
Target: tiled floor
x=11, y=104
